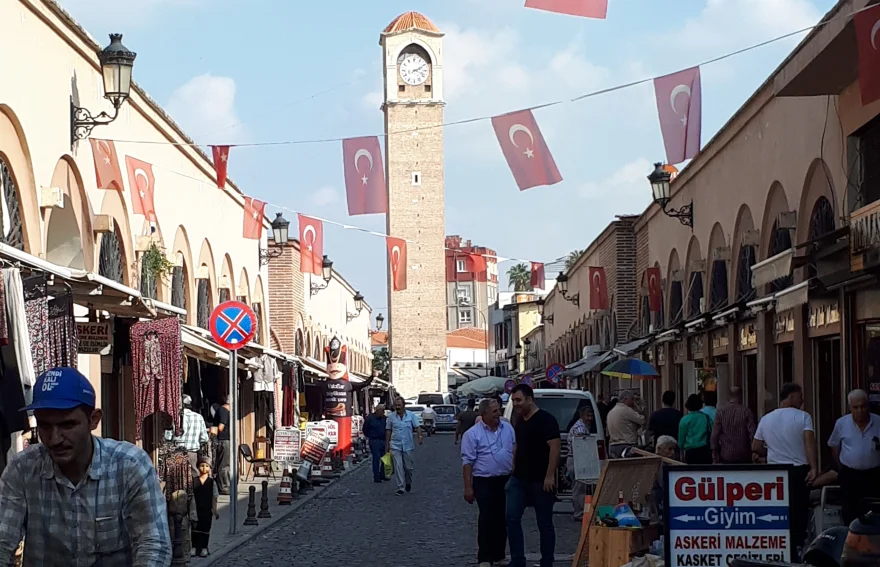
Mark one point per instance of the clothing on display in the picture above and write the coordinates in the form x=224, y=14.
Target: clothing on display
x=264, y=404
x=62, y=336
x=4, y=329
x=290, y=407
x=176, y=471
x=193, y=383
x=157, y=368
x=267, y=374
x=17, y=326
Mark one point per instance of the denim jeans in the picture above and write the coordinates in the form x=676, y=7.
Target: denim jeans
x=521, y=494
x=377, y=449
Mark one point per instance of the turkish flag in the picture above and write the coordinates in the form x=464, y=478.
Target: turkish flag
x=585, y=8
x=537, y=280
x=680, y=106
x=143, y=186
x=107, y=171
x=221, y=161
x=311, y=245
x=253, y=218
x=525, y=150
x=480, y=268
x=397, y=262
x=364, y=176
x=598, y=289
x=655, y=296
x=867, y=24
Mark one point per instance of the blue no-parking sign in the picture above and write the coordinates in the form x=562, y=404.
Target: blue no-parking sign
x=233, y=325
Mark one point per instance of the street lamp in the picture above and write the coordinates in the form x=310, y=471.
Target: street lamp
x=562, y=284
x=660, y=179
x=116, y=65
x=358, y=307
x=519, y=348
x=380, y=320
x=326, y=275
x=542, y=303
x=280, y=236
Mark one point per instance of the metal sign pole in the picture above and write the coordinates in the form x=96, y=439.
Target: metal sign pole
x=233, y=441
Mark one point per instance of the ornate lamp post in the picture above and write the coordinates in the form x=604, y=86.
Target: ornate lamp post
x=660, y=179
x=326, y=275
x=280, y=236
x=358, y=307
x=562, y=284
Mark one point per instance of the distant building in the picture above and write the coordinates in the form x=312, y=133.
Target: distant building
x=470, y=289
x=514, y=317
x=467, y=355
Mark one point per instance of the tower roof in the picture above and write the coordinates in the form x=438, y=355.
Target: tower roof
x=410, y=21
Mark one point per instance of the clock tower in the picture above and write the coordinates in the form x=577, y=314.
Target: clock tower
x=413, y=105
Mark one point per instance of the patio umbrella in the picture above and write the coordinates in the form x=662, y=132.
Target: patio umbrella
x=483, y=386
x=630, y=369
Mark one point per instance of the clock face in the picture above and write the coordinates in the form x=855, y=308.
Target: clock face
x=413, y=69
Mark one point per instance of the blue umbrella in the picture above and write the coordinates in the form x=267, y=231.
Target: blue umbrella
x=629, y=369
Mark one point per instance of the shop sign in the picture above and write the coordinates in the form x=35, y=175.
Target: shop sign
x=719, y=340
x=864, y=235
x=661, y=355
x=679, y=354
x=784, y=323
x=748, y=337
x=696, y=347
x=716, y=514
x=288, y=445
x=824, y=314
x=94, y=338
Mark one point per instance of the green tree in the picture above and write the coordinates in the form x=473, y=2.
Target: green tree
x=381, y=362
x=572, y=258
x=519, y=277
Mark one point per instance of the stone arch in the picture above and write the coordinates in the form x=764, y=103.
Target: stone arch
x=308, y=343
x=182, y=290
x=299, y=344
x=15, y=154
x=818, y=184
x=113, y=204
x=69, y=238
x=742, y=259
x=258, y=304
x=205, y=284
x=718, y=283
x=243, y=288
x=417, y=42
x=776, y=203
x=695, y=282
x=226, y=284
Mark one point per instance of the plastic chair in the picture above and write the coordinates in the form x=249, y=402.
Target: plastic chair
x=248, y=456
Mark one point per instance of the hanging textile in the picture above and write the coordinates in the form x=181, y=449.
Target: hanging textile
x=63, y=340
x=17, y=325
x=4, y=329
x=157, y=364
x=176, y=471
x=193, y=384
x=37, y=313
x=276, y=415
x=289, y=395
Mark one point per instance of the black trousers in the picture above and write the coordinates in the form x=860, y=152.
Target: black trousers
x=854, y=486
x=800, y=507
x=491, y=526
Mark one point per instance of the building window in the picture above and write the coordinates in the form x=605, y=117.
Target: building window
x=676, y=301
x=148, y=283
x=865, y=163
x=416, y=178
x=258, y=323
x=203, y=303
x=12, y=233
x=110, y=257
x=463, y=293
x=695, y=296
x=465, y=316
x=718, y=295
x=224, y=295
x=780, y=243
x=745, y=290
x=821, y=223
x=461, y=266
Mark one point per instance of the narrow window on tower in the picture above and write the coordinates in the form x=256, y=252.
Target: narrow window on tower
x=427, y=88
x=401, y=88
x=416, y=178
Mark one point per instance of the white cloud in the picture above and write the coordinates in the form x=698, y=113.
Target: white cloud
x=205, y=106
x=626, y=188
x=127, y=13
x=326, y=195
x=372, y=99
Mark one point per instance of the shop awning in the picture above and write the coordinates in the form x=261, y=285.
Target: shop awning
x=203, y=349
x=314, y=366
x=587, y=364
x=792, y=297
x=772, y=268
x=633, y=347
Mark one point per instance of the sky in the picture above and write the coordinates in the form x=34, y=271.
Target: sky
x=276, y=70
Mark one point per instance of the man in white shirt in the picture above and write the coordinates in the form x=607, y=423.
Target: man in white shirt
x=624, y=422
x=786, y=437
x=854, y=446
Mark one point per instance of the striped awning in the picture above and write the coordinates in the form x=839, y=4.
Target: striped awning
x=772, y=268
x=792, y=297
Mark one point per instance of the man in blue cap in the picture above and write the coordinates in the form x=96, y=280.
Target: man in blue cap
x=78, y=499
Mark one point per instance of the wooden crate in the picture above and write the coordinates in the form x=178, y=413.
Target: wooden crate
x=613, y=547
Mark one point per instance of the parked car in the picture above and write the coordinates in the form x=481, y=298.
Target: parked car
x=446, y=414
x=436, y=398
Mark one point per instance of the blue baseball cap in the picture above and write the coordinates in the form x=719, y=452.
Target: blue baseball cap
x=61, y=389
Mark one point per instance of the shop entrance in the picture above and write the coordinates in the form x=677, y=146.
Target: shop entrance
x=829, y=391
x=750, y=381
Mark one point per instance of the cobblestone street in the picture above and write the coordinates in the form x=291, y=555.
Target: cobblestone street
x=358, y=523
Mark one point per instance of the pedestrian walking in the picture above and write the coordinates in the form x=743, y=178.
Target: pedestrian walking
x=205, y=494
x=733, y=431
x=465, y=420
x=224, y=449
x=786, y=437
x=194, y=437
x=665, y=420
x=399, y=430
x=855, y=447
x=374, y=431
x=533, y=481
x=583, y=427
x=695, y=433
x=487, y=461
x=77, y=498
x=710, y=401
x=624, y=422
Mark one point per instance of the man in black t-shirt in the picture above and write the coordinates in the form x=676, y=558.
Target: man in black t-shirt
x=533, y=482
x=665, y=421
x=221, y=422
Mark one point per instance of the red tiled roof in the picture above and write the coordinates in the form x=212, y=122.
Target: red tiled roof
x=411, y=21
x=468, y=337
x=379, y=339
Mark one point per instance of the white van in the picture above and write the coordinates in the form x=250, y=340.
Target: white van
x=563, y=405
x=436, y=398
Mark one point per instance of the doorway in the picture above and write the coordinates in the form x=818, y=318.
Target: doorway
x=829, y=391
x=750, y=381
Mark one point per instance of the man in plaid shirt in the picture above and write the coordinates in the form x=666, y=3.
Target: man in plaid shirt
x=195, y=433
x=76, y=499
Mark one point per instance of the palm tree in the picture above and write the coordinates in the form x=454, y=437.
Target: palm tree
x=519, y=277
x=572, y=258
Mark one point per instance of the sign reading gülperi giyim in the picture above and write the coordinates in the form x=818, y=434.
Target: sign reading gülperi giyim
x=715, y=514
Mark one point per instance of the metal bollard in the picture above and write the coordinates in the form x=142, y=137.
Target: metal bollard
x=264, y=502
x=177, y=555
x=251, y=519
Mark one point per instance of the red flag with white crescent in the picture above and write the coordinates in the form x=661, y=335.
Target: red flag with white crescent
x=598, y=289
x=311, y=245
x=397, y=262
x=364, y=176
x=525, y=150
x=107, y=172
x=221, y=161
x=867, y=25
x=253, y=218
x=537, y=280
x=585, y=8
x=143, y=187
x=680, y=106
x=655, y=296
